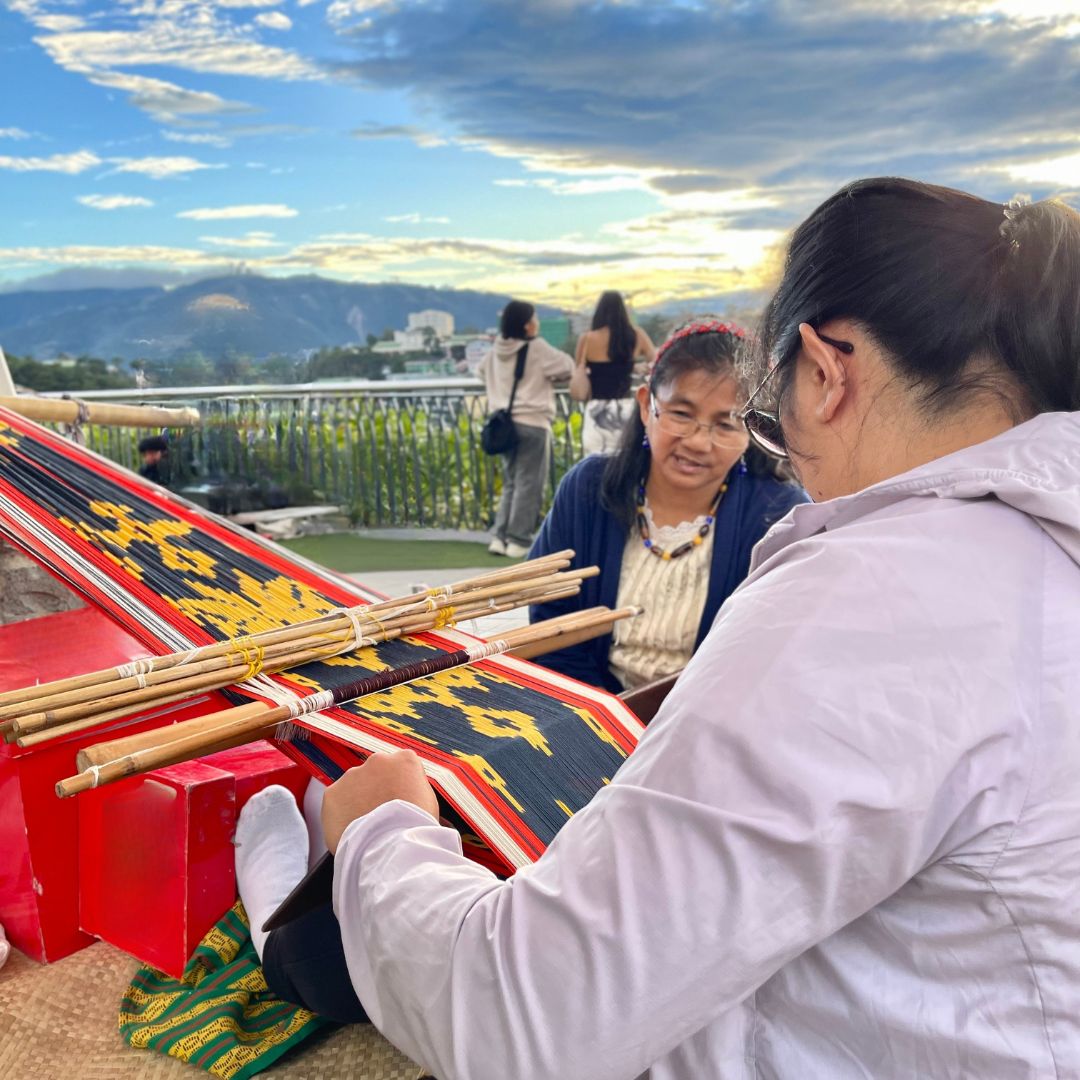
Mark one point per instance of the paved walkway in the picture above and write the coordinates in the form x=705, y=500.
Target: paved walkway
x=403, y=582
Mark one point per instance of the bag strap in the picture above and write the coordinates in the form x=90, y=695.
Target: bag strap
x=519, y=370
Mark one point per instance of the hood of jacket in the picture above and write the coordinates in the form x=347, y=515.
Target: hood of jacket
x=1033, y=467
x=506, y=349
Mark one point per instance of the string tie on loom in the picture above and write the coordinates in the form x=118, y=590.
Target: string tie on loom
x=250, y=653
x=375, y=619
x=444, y=618
x=324, y=699
x=137, y=670
x=354, y=617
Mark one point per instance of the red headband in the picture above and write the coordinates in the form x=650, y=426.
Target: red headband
x=707, y=326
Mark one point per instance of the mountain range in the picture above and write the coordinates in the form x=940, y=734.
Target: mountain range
x=257, y=316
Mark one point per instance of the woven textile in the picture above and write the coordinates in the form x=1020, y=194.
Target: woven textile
x=219, y=1015
x=513, y=749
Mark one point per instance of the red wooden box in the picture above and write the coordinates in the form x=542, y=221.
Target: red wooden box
x=156, y=852
x=39, y=890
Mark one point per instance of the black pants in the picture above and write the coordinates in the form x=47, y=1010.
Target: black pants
x=304, y=963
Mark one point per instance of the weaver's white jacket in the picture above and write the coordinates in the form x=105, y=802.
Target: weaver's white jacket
x=848, y=846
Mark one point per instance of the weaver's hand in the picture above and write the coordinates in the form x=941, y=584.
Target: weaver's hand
x=382, y=778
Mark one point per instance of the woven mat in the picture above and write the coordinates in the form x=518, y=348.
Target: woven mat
x=60, y=1020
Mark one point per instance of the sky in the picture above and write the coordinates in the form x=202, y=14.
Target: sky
x=542, y=148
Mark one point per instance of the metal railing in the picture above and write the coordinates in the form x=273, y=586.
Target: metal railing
x=403, y=453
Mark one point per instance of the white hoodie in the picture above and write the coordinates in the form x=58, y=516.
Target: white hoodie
x=534, y=402
x=848, y=847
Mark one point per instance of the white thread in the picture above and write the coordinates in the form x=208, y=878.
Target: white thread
x=187, y=657
x=324, y=699
x=140, y=680
x=354, y=617
x=489, y=648
x=95, y=772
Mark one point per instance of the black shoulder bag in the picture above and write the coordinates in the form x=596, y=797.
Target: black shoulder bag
x=498, y=436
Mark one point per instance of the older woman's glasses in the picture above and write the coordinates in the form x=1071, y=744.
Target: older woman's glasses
x=682, y=425
x=762, y=425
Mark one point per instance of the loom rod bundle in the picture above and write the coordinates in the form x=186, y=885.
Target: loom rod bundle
x=57, y=710
x=116, y=759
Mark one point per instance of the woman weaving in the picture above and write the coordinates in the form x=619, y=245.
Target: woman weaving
x=849, y=843
x=670, y=518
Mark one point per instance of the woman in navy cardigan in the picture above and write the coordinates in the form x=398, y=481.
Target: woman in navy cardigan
x=670, y=518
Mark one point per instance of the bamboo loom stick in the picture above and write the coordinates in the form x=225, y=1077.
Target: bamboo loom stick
x=33, y=730
x=241, y=665
x=601, y=620
x=71, y=705
x=67, y=411
x=17, y=702
x=252, y=723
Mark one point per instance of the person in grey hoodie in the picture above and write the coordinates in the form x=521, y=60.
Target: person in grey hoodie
x=525, y=468
x=848, y=845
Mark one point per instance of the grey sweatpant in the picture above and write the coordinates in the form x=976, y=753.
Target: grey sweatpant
x=525, y=472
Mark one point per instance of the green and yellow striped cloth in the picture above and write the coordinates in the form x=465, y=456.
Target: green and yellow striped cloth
x=219, y=1016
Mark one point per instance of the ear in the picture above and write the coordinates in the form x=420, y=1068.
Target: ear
x=643, y=402
x=828, y=374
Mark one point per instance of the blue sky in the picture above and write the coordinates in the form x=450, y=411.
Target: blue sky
x=549, y=148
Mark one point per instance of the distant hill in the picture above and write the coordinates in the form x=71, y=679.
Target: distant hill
x=253, y=315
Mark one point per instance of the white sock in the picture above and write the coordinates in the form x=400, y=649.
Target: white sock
x=271, y=855
x=313, y=800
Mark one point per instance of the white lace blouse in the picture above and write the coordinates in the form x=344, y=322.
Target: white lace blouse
x=672, y=592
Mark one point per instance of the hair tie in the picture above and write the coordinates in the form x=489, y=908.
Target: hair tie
x=1014, y=210
x=692, y=329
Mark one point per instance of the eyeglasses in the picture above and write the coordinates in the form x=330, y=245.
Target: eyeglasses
x=764, y=427
x=683, y=426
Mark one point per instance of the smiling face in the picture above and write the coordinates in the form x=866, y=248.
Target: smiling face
x=693, y=464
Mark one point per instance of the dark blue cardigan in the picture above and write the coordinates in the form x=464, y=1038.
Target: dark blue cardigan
x=578, y=521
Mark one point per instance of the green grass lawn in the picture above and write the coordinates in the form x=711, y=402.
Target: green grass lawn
x=352, y=554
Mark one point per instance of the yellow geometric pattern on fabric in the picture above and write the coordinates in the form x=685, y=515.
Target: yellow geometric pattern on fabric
x=163, y=534
x=232, y=1027
x=445, y=689
x=8, y=436
x=254, y=606
x=490, y=776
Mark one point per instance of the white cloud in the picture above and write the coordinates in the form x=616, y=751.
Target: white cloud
x=233, y=213
x=185, y=35
x=192, y=39
x=250, y=240
x=71, y=164
x=274, y=20
x=341, y=11
x=416, y=219
x=222, y=142
x=165, y=100
x=1054, y=172
x=425, y=139
x=59, y=23
x=113, y=202
x=14, y=133
x=160, y=168
x=124, y=254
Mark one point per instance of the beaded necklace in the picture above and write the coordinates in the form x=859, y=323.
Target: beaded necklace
x=682, y=549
